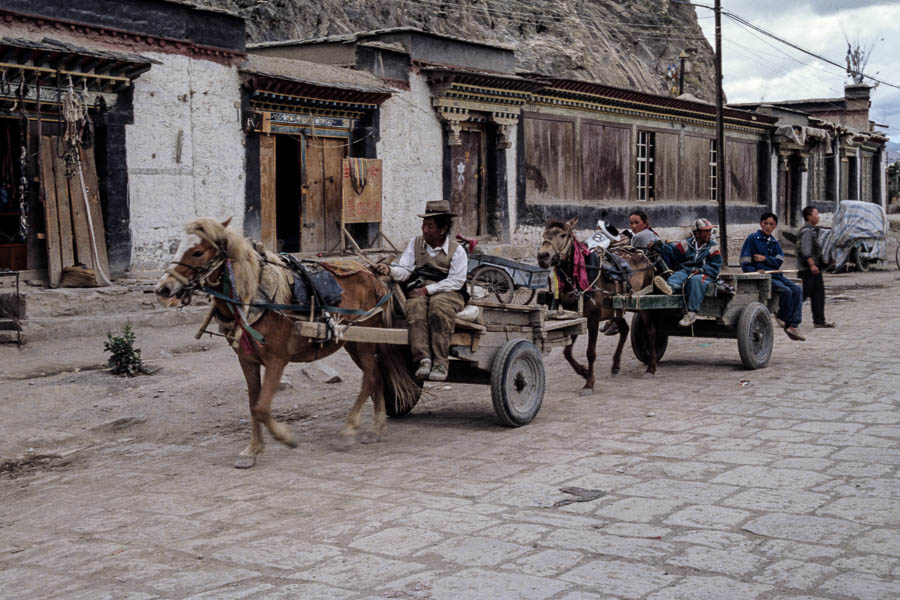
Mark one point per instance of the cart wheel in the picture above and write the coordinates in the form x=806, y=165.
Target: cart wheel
x=488, y=281
x=639, y=341
x=862, y=263
x=390, y=401
x=517, y=383
x=523, y=296
x=755, y=336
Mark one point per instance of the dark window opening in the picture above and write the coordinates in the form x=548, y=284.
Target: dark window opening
x=852, y=178
x=12, y=245
x=288, y=186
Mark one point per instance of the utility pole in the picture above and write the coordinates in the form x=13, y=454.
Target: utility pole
x=681, y=57
x=721, y=185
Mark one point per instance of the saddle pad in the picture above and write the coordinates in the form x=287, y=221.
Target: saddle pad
x=311, y=279
x=344, y=267
x=616, y=268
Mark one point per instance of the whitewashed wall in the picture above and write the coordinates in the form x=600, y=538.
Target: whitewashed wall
x=196, y=101
x=411, y=148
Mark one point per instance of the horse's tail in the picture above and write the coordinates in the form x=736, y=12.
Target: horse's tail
x=396, y=365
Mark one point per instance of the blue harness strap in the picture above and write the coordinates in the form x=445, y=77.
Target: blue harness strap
x=299, y=307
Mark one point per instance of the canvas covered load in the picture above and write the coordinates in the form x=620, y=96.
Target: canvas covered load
x=855, y=220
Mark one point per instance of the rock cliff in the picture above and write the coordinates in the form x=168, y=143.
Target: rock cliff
x=624, y=43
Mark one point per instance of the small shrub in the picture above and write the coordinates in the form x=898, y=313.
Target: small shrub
x=124, y=359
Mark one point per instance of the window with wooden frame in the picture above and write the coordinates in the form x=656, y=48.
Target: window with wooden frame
x=646, y=167
x=713, y=171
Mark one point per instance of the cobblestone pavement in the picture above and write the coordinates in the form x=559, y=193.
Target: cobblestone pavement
x=716, y=482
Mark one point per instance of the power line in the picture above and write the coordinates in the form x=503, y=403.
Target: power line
x=746, y=23
x=739, y=19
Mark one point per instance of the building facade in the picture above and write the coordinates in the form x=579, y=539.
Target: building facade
x=316, y=145
x=162, y=100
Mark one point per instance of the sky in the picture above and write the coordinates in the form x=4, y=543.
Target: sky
x=757, y=68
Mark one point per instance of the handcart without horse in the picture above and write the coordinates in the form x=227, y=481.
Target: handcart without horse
x=744, y=315
x=494, y=278
x=504, y=350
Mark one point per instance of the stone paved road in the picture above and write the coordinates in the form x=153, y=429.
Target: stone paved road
x=719, y=483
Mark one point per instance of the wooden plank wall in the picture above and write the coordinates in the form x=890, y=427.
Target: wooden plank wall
x=742, y=168
x=67, y=211
x=666, y=159
x=549, y=161
x=312, y=213
x=333, y=153
x=267, y=209
x=603, y=170
x=694, y=181
x=51, y=212
x=606, y=162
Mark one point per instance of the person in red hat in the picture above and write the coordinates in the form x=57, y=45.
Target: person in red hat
x=435, y=268
x=698, y=263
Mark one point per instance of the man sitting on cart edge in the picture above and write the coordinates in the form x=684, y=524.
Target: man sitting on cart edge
x=697, y=262
x=761, y=252
x=435, y=267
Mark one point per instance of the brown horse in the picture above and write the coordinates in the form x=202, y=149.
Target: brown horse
x=212, y=256
x=557, y=250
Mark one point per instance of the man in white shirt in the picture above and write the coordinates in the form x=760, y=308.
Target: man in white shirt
x=435, y=266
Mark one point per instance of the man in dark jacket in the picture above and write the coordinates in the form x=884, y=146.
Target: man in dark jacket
x=809, y=266
x=762, y=252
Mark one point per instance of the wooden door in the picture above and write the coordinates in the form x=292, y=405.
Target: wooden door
x=467, y=189
x=320, y=217
x=267, y=185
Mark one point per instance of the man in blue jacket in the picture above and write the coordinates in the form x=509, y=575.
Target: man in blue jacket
x=697, y=262
x=762, y=252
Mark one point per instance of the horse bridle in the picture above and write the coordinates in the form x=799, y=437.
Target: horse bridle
x=200, y=276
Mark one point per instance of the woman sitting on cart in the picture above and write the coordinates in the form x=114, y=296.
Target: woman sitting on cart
x=435, y=268
x=762, y=252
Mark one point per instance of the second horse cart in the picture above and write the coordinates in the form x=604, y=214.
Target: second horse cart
x=743, y=315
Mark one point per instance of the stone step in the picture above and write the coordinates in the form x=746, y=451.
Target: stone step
x=11, y=337
x=47, y=327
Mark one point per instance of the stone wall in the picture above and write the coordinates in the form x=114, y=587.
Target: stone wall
x=185, y=153
x=411, y=148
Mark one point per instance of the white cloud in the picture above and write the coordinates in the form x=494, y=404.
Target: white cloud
x=757, y=67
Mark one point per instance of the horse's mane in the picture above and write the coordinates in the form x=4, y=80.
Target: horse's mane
x=245, y=262
x=560, y=224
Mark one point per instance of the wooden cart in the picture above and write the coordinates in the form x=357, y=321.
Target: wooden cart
x=504, y=349
x=744, y=316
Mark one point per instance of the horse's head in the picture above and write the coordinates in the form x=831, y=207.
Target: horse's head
x=558, y=237
x=198, y=256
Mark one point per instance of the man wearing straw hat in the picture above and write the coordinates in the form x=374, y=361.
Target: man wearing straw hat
x=435, y=266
